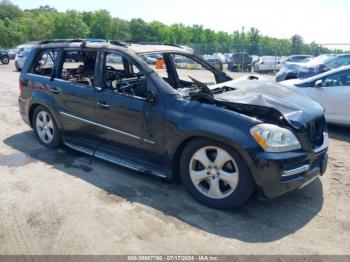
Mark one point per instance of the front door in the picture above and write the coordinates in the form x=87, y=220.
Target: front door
x=130, y=123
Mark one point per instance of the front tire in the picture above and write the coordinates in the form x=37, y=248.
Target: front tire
x=215, y=174
x=45, y=127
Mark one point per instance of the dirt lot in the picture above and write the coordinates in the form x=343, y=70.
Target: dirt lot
x=55, y=202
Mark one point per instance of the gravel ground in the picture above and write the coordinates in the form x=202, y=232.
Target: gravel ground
x=57, y=202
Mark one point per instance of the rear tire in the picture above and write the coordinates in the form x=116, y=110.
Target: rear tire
x=45, y=128
x=221, y=178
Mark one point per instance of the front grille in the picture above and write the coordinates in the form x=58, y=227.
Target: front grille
x=315, y=131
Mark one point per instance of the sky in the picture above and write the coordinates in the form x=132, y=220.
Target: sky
x=322, y=21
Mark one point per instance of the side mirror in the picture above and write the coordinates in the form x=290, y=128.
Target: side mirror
x=319, y=83
x=151, y=97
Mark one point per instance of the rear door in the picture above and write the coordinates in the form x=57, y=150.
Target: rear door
x=74, y=89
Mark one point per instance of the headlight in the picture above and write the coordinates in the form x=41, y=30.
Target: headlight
x=273, y=138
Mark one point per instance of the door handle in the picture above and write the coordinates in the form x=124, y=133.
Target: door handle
x=54, y=90
x=103, y=105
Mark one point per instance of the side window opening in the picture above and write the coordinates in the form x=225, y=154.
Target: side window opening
x=124, y=77
x=184, y=66
x=338, y=79
x=79, y=66
x=187, y=67
x=44, y=63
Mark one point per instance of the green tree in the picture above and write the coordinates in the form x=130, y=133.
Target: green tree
x=297, y=44
x=70, y=25
x=253, y=37
x=158, y=31
x=9, y=10
x=139, y=30
x=5, y=39
x=18, y=26
x=119, y=30
x=101, y=23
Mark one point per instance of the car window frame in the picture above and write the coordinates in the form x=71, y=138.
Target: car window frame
x=325, y=77
x=131, y=61
x=38, y=52
x=60, y=62
x=190, y=58
x=217, y=73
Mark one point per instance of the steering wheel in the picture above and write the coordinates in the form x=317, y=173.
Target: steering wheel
x=126, y=89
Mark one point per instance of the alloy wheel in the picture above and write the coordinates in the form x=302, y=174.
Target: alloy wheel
x=44, y=127
x=214, y=172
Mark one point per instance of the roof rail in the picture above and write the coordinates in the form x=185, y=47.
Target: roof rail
x=151, y=43
x=48, y=41
x=120, y=43
x=76, y=40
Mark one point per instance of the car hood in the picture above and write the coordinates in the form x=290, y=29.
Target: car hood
x=290, y=82
x=296, y=108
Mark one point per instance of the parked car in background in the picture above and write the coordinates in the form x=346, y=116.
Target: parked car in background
x=214, y=61
x=296, y=59
x=12, y=53
x=255, y=59
x=220, y=56
x=267, y=64
x=113, y=59
x=315, y=66
x=331, y=89
x=220, y=140
x=22, y=52
x=240, y=62
x=149, y=60
x=4, y=56
x=227, y=57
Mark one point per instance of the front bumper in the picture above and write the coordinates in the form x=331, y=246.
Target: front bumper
x=278, y=173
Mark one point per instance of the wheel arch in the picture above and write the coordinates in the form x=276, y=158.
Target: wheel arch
x=175, y=164
x=32, y=109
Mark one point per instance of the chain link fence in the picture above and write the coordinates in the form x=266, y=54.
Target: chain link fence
x=264, y=57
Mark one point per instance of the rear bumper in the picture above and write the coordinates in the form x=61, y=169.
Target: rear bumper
x=22, y=103
x=279, y=173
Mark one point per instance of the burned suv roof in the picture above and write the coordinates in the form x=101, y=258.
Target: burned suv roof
x=138, y=48
x=142, y=49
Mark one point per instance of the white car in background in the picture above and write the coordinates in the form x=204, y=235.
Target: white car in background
x=220, y=56
x=267, y=64
x=331, y=90
x=22, y=52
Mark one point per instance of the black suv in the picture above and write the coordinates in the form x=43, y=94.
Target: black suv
x=240, y=62
x=4, y=56
x=222, y=137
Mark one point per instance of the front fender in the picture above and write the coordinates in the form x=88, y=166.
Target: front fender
x=213, y=122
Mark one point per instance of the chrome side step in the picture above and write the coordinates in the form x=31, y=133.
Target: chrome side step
x=115, y=159
x=295, y=171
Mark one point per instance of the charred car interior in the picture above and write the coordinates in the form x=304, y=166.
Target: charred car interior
x=177, y=117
